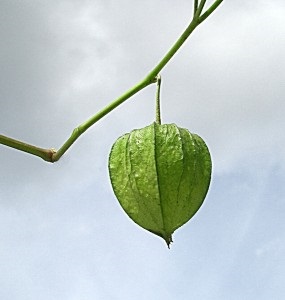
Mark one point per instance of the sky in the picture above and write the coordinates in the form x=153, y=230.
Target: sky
x=63, y=234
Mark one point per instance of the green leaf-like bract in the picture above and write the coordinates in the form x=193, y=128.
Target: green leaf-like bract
x=160, y=175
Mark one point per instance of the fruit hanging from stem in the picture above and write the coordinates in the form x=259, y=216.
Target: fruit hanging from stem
x=160, y=174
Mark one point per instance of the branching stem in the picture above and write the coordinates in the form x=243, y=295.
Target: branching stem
x=210, y=10
x=199, y=9
x=52, y=155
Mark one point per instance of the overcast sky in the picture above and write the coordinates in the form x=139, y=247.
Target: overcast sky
x=63, y=235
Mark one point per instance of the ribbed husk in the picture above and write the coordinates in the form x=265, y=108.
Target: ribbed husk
x=160, y=174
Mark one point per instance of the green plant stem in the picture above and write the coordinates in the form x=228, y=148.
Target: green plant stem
x=157, y=110
x=52, y=155
x=195, y=7
x=199, y=9
x=210, y=10
x=84, y=126
x=45, y=154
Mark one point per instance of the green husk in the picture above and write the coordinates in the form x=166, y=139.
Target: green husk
x=160, y=174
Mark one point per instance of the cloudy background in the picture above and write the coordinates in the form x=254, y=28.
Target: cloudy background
x=63, y=235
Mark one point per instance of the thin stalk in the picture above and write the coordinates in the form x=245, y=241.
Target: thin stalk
x=195, y=7
x=157, y=100
x=52, y=155
x=177, y=45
